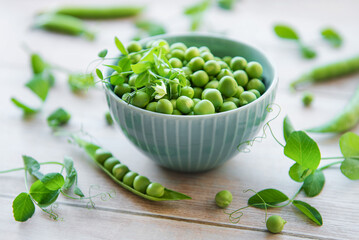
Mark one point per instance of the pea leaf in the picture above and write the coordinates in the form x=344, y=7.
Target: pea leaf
x=32, y=166
x=298, y=173
x=309, y=211
x=286, y=32
x=68, y=165
x=58, y=118
x=307, y=52
x=350, y=168
x=103, y=53
x=198, y=7
x=37, y=63
x=226, y=4
x=43, y=196
x=141, y=67
x=39, y=86
x=125, y=64
x=78, y=192
x=53, y=181
x=314, y=183
x=332, y=37
x=117, y=79
x=270, y=196
x=349, y=143
x=81, y=82
x=99, y=74
x=120, y=46
x=26, y=109
x=71, y=173
x=142, y=79
x=150, y=27
x=114, y=67
x=23, y=207
x=302, y=149
x=287, y=128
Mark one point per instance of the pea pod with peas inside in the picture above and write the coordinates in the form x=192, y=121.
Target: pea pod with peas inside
x=132, y=181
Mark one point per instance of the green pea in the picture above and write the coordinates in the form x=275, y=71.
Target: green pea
x=173, y=102
x=132, y=80
x=204, y=107
x=151, y=106
x=101, y=155
x=199, y=78
x=149, y=43
x=307, y=98
x=257, y=85
x=197, y=92
x=275, y=224
x=162, y=42
x=228, y=86
x=196, y=64
x=223, y=65
x=241, y=77
x=187, y=91
x=254, y=70
x=223, y=73
x=207, y=56
x=184, y=104
x=195, y=101
x=240, y=90
x=204, y=49
x=238, y=63
x=141, y=183
x=176, y=112
x=122, y=89
x=227, y=59
x=217, y=59
x=110, y=163
x=212, y=84
x=188, y=83
x=234, y=100
x=140, y=99
x=214, y=96
x=191, y=52
x=135, y=58
x=227, y=106
x=175, y=62
x=108, y=118
x=212, y=67
x=119, y=171
x=187, y=71
x=125, y=96
x=255, y=92
x=164, y=106
x=191, y=113
x=129, y=178
x=247, y=97
x=178, y=45
x=177, y=53
x=155, y=190
x=223, y=198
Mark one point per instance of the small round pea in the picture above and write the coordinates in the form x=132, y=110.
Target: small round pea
x=228, y=86
x=187, y=71
x=134, y=46
x=132, y=80
x=155, y=190
x=141, y=183
x=224, y=72
x=122, y=89
x=214, y=96
x=212, y=84
x=223, y=65
x=275, y=224
x=240, y=89
x=110, y=163
x=196, y=64
x=188, y=83
x=173, y=102
x=197, y=92
x=257, y=85
x=125, y=96
x=223, y=198
x=187, y=91
x=238, y=63
x=162, y=42
x=234, y=100
x=200, y=78
x=164, y=106
x=176, y=112
x=175, y=62
x=227, y=106
x=119, y=171
x=129, y=178
x=241, y=77
x=254, y=70
x=151, y=106
x=135, y=58
x=307, y=98
x=227, y=59
x=207, y=56
x=212, y=67
x=140, y=99
x=195, y=101
x=247, y=97
x=101, y=155
x=177, y=53
x=191, y=52
x=204, y=49
x=178, y=45
x=255, y=92
x=204, y=107
x=184, y=104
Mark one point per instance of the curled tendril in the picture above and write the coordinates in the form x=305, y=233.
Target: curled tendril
x=53, y=215
x=104, y=196
x=264, y=203
x=266, y=126
x=235, y=216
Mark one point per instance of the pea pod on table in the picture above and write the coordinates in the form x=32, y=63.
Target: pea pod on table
x=137, y=184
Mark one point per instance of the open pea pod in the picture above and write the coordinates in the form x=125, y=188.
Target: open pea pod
x=169, y=195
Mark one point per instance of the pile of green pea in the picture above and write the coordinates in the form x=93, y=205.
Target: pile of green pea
x=122, y=173
x=213, y=84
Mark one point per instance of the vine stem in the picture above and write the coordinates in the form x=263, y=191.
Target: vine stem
x=330, y=158
x=329, y=165
x=23, y=168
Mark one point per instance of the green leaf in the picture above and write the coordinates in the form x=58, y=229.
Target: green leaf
x=23, y=207
x=125, y=64
x=68, y=165
x=350, y=168
x=152, y=28
x=81, y=82
x=103, y=53
x=78, y=192
x=314, y=183
x=226, y=4
x=349, y=143
x=37, y=63
x=32, y=166
x=332, y=36
x=298, y=173
x=99, y=74
x=141, y=67
x=309, y=211
x=308, y=52
x=58, y=118
x=39, y=86
x=114, y=67
x=142, y=80
x=120, y=46
x=43, y=196
x=53, y=181
x=198, y=7
x=287, y=128
x=302, y=149
x=270, y=196
x=117, y=79
x=26, y=109
x=286, y=32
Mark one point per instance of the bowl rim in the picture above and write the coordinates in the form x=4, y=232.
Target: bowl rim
x=271, y=88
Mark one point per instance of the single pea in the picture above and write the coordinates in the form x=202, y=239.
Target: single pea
x=173, y=102
x=217, y=59
x=184, y=104
x=168, y=55
x=163, y=43
x=257, y=85
x=247, y=97
x=122, y=89
x=241, y=77
x=188, y=83
x=238, y=63
x=240, y=89
x=176, y=112
x=207, y=56
x=223, y=65
x=227, y=86
x=232, y=99
x=177, y=53
x=195, y=101
x=254, y=70
x=214, y=96
x=132, y=80
x=196, y=64
x=199, y=78
x=187, y=71
x=108, y=118
x=204, y=107
x=119, y=171
x=164, y=106
x=191, y=113
x=223, y=198
x=155, y=190
x=212, y=67
x=140, y=99
x=307, y=98
x=141, y=183
x=275, y=224
x=134, y=46
x=174, y=89
x=187, y=91
x=204, y=49
x=227, y=59
x=227, y=106
x=101, y=155
x=223, y=73
x=135, y=58
x=212, y=84
x=151, y=106
x=149, y=43
x=255, y=92
x=197, y=92
x=125, y=96
x=178, y=45
x=191, y=52
x=129, y=178
x=110, y=163
x=175, y=62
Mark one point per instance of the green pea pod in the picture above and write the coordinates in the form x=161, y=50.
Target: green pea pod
x=63, y=24
x=345, y=120
x=90, y=148
x=97, y=12
x=329, y=71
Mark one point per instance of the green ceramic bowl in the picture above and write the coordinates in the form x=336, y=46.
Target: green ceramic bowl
x=196, y=143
